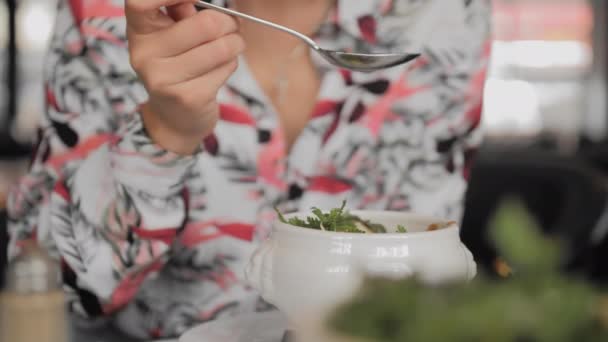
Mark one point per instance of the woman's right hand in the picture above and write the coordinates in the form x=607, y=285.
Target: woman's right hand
x=183, y=58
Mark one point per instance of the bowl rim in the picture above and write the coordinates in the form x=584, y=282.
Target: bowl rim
x=441, y=233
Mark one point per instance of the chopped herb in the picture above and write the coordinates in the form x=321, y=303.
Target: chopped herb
x=401, y=229
x=336, y=220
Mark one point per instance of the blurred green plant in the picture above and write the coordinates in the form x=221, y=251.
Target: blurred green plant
x=537, y=304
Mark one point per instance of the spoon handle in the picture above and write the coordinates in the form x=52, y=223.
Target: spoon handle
x=306, y=39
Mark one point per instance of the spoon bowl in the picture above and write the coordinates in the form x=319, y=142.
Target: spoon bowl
x=364, y=62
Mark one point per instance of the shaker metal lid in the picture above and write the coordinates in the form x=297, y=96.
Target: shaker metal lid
x=33, y=271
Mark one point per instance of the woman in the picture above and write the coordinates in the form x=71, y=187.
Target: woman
x=153, y=186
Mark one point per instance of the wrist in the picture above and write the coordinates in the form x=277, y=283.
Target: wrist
x=167, y=138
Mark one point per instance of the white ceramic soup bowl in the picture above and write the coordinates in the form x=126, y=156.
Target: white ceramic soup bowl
x=305, y=273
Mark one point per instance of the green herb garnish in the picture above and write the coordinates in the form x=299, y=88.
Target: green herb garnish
x=336, y=220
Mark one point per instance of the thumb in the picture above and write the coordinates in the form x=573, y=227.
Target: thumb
x=181, y=11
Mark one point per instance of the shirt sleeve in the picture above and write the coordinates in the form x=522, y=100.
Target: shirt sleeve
x=115, y=217
x=100, y=196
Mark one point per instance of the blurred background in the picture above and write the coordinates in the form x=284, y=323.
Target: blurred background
x=545, y=117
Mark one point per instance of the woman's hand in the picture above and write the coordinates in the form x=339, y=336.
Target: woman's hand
x=183, y=58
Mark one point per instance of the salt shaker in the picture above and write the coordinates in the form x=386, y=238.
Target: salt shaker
x=32, y=305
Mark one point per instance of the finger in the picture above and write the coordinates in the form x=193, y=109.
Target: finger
x=204, y=89
x=187, y=34
x=149, y=5
x=181, y=11
x=204, y=59
x=145, y=16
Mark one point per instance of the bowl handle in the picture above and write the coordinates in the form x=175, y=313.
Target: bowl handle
x=258, y=272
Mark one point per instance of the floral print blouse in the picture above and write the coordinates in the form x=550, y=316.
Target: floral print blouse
x=155, y=242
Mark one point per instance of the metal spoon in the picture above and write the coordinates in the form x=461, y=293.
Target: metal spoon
x=349, y=60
